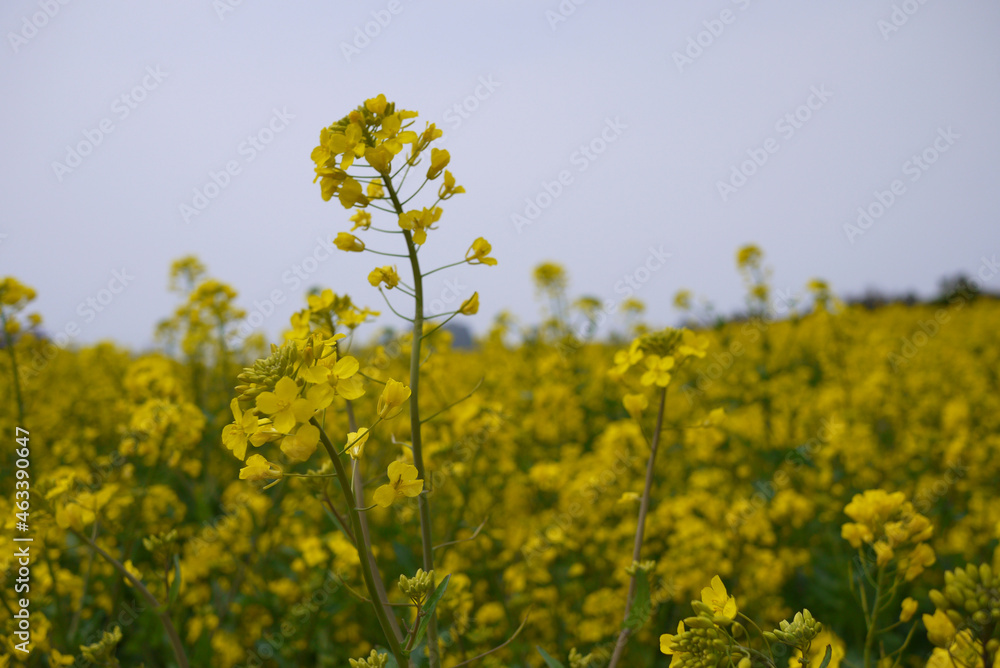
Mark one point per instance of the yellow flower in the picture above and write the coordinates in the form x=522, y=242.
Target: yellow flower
x=403, y=482
x=719, y=599
x=855, y=534
x=350, y=193
x=385, y=275
x=692, y=345
x=299, y=446
x=439, y=160
x=258, y=468
x=940, y=630
x=748, y=256
x=390, y=403
x=635, y=404
x=657, y=371
x=346, y=241
x=133, y=571
x=909, y=609
x=666, y=640
x=883, y=553
x=356, y=442
x=479, y=251
x=285, y=406
x=361, y=219
x=376, y=105
x=392, y=135
x=235, y=435
x=448, y=188
x=471, y=305
x=380, y=158
x=629, y=497
x=420, y=222
x=921, y=557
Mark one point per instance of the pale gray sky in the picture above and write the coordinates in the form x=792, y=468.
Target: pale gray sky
x=830, y=103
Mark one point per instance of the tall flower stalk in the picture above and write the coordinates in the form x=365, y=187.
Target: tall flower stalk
x=293, y=387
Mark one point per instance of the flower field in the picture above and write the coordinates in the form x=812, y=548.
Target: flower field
x=811, y=483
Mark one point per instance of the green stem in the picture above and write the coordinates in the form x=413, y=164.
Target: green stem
x=427, y=542
x=640, y=529
x=168, y=626
x=366, y=568
x=873, y=620
x=359, y=499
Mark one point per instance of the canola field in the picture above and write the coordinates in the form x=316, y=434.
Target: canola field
x=813, y=484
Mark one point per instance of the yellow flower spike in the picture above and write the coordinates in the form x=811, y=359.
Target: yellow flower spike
x=356, y=442
x=390, y=403
x=346, y=241
x=719, y=599
x=300, y=446
x=403, y=482
x=385, y=275
x=439, y=160
x=258, y=468
x=479, y=251
x=471, y=305
x=635, y=404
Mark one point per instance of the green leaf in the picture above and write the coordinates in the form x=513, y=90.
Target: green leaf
x=549, y=661
x=826, y=657
x=175, y=587
x=642, y=607
x=428, y=609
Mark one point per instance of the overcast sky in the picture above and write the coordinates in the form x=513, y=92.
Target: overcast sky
x=653, y=138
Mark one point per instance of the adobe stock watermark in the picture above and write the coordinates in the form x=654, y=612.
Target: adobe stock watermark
x=764, y=491
x=786, y=126
x=88, y=309
x=915, y=167
x=223, y=7
x=249, y=148
x=629, y=284
x=719, y=364
x=927, y=329
x=899, y=17
x=122, y=107
x=294, y=278
x=562, y=12
x=704, y=39
x=31, y=25
x=363, y=35
x=581, y=158
x=461, y=111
